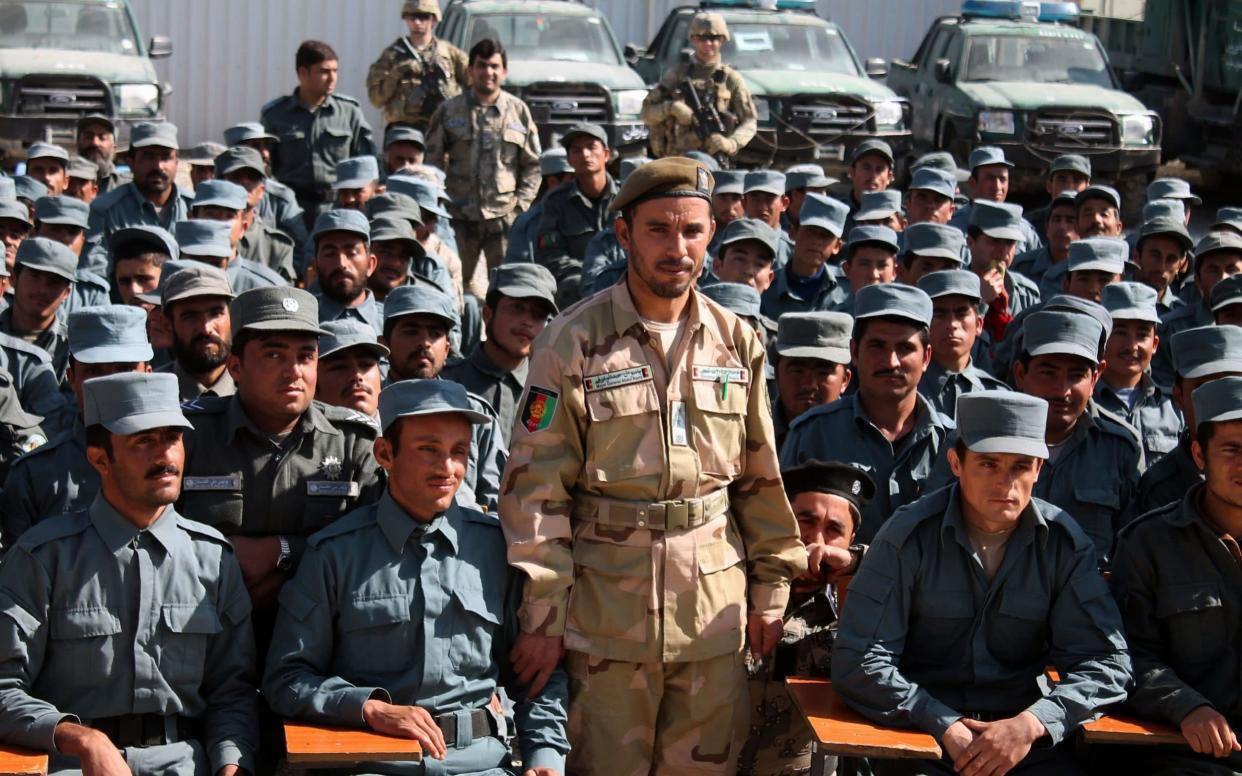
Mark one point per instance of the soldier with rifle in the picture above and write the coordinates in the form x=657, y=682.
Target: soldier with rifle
x=416, y=74
x=701, y=104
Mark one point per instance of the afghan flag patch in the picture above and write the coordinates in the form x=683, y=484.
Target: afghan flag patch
x=540, y=408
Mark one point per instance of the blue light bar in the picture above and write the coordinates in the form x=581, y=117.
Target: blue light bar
x=795, y=5
x=1001, y=9
x=1058, y=12
x=780, y=5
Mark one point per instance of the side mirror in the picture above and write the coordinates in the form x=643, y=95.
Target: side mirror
x=943, y=71
x=159, y=47
x=633, y=53
x=876, y=68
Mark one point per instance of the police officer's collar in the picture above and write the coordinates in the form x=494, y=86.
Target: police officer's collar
x=312, y=418
x=625, y=315
x=1031, y=523
x=397, y=525
x=610, y=190
x=484, y=363
x=116, y=531
x=370, y=311
x=925, y=417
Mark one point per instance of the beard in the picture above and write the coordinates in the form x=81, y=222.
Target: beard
x=194, y=358
x=341, y=288
x=665, y=289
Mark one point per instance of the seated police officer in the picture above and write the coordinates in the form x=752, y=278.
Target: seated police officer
x=402, y=613
x=966, y=595
x=1177, y=580
x=125, y=641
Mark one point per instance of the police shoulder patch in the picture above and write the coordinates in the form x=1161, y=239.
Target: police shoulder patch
x=539, y=409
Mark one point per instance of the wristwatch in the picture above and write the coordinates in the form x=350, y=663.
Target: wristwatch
x=284, y=561
x=857, y=551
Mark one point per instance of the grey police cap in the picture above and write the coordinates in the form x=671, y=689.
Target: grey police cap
x=707, y=161
x=872, y=146
x=132, y=240
x=939, y=241
x=96, y=118
x=1207, y=350
x=205, y=238
x=1173, y=228
x=820, y=335
x=356, y=172
x=1057, y=332
x=47, y=256
x=740, y=229
x=1218, y=401
x=525, y=280
x=393, y=205
x=935, y=180
x=1100, y=254
x=62, y=210
x=82, y=168
x=823, y=212
x=893, y=300
x=220, y=193
x=880, y=236
x=398, y=133
x=193, y=281
x=349, y=333
x=171, y=266
x=8, y=189
x=47, y=151
x=554, y=161
x=1129, y=301
x=1002, y=422
x=584, y=129
x=1099, y=191
x=1218, y=242
x=204, y=154
x=391, y=229
x=13, y=210
x=998, y=220
x=419, y=300
x=246, y=131
x=133, y=402
x=806, y=176
x=240, y=158
x=109, y=334
x=153, y=133
x=275, y=308
x=1172, y=188
x=28, y=188
x=1071, y=163
x=737, y=298
x=1080, y=306
x=766, y=181
x=1172, y=209
x=340, y=220
x=940, y=160
x=424, y=193
x=986, y=155
x=730, y=182
x=411, y=398
x=1225, y=293
x=878, y=205
x=951, y=282
x=1228, y=218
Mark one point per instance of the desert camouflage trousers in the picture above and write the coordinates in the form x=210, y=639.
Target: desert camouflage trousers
x=662, y=719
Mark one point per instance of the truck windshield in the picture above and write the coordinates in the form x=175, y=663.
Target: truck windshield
x=534, y=36
x=80, y=26
x=799, y=47
x=1050, y=60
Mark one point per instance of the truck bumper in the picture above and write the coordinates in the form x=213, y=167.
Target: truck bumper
x=783, y=147
x=18, y=132
x=626, y=138
x=1031, y=163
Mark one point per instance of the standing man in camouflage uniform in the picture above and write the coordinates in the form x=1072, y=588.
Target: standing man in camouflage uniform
x=316, y=128
x=417, y=73
x=486, y=141
x=667, y=110
x=643, y=501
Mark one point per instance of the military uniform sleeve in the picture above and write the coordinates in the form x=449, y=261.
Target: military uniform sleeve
x=528, y=163
x=461, y=66
x=383, y=79
x=1158, y=692
x=24, y=589
x=655, y=105
x=774, y=553
x=742, y=105
x=1088, y=649
x=871, y=640
x=545, y=461
x=541, y=721
x=436, y=151
x=298, y=683
x=232, y=718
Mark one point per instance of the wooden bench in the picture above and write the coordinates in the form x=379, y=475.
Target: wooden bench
x=22, y=762
x=841, y=730
x=318, y=746
x=1114, y=729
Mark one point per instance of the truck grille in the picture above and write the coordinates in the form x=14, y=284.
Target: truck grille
x=1072, y=130
x=567, y=103
x=831, y=116
x=61, y=97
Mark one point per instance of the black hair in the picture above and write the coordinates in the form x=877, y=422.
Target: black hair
x=860, y=328
x=486, y=49
x=313, y=52
x=98, y=436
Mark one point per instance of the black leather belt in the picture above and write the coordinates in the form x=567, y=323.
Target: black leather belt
x=147, y=729
x=482, y=725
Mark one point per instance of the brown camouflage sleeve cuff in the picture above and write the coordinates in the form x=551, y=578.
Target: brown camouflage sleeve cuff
x=546, y=617
x=769, y=599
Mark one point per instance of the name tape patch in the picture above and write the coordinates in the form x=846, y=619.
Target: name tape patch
x=638, y=374
x=224, y=482
x=720, y=374
x=332, y=488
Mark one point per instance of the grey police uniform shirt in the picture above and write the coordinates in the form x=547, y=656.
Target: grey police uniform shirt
x=49, y=480
x=279, y=209
x=1152, y=415
x=100, y=619
x=245, y=275
x=1168, y=479
x=1030, y=238
x=270, y=247
x=1188, y=316
x=238, y=480
x=313, y=142
x=370, y=312
x=189, y=388
x=498, y=387
x=38, y=387
x=604, y=263
x=521, y=246
x=1037, y=266
x=779, y=299
x=841, y=431
x=54, y=341
x=942, y=387
x=125, y=207
x=570, y=219
x=926, y=638
x=1180, y=593
x=20, y=431
x=385, y=607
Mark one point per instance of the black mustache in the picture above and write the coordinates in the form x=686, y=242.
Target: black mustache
x=159, y=471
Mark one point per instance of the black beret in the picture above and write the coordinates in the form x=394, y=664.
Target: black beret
x=840, y=479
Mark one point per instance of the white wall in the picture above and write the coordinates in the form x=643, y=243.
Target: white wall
x=232, y=56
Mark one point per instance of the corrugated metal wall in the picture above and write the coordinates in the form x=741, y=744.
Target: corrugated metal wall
x=231, y=56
